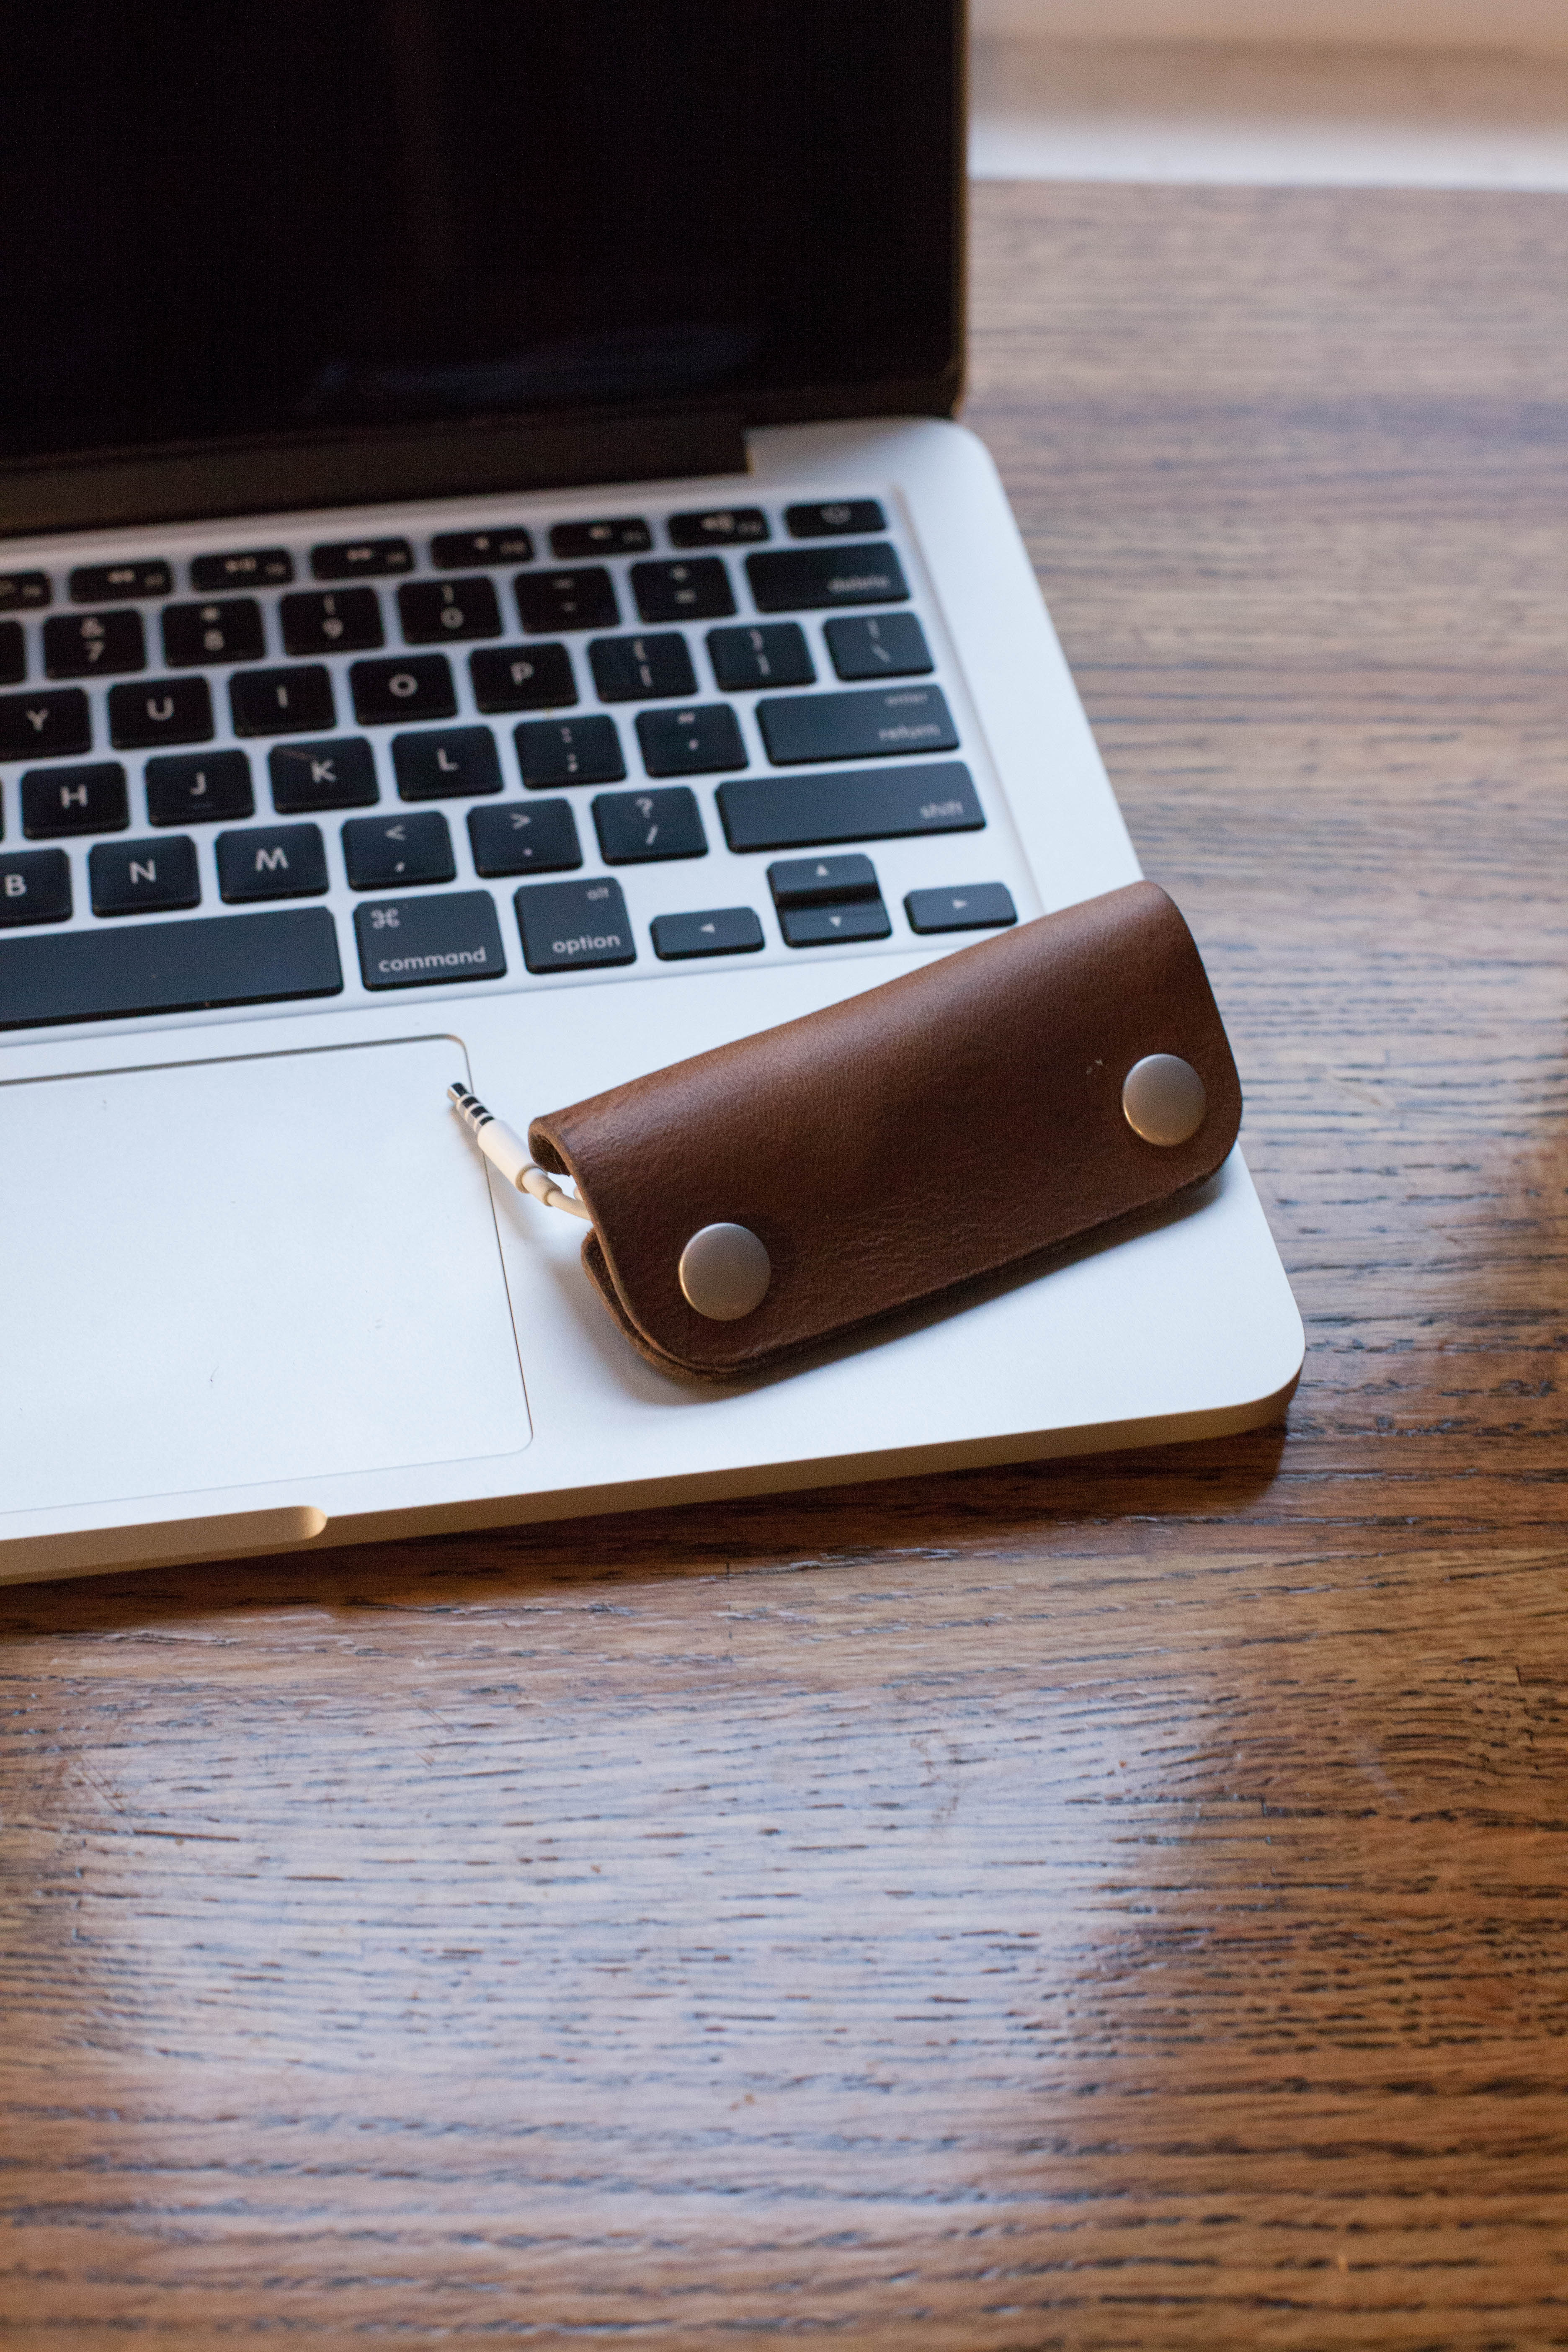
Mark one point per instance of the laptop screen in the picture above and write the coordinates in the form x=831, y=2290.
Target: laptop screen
x=284, y=218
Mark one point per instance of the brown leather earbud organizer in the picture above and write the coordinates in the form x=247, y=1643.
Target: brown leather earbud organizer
x=1009, y=1097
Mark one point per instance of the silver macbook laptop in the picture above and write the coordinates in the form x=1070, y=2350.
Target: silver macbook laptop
x=491, y=592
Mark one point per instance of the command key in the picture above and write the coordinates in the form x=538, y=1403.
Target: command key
x=416, y=943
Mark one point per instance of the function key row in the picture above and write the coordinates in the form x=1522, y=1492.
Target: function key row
x=138, y=579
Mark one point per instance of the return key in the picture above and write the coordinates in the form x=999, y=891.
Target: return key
x=888, y=723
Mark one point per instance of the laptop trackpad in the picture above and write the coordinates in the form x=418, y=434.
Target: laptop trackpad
x=222, y=1274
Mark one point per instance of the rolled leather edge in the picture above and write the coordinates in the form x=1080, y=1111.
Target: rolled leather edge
x=949, y=1124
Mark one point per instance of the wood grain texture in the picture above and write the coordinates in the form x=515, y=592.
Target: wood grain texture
x=1116, y=1905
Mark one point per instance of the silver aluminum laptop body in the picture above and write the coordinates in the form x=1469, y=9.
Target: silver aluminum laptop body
x=260, y=1291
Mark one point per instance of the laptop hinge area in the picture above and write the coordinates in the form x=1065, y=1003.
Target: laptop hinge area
x=187, y=483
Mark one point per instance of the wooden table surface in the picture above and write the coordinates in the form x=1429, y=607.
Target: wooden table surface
x=1103, y=1905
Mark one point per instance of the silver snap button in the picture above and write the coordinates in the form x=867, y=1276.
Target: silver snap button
x=724, y=1272
x=1163, y=1099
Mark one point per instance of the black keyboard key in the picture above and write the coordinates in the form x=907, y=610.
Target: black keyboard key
x=229, y=632
x=247, y=567
x=717, y=526
x=642, y=829
x=877, y=644
x=44, y=725
x=980, y=906
x=417, y=686
x=776, y=654
x=160, y=711
x=635, y=669
x=360, y=558
x=834, y=519
x=535, y=838
x=219, y=960
x=698, y=590
x=434, y=610
x=551, y=602
x=448, y=763
x=282, y=701
x=86, y=644
x=690, y=742
x=199, y=788
x=822, y=881
x=539, y=680
x=24, y=591
x=271, y=861
x=13, y=654
x=834, y=926
x=35, y=887
x=57, y=801
x=888, y=725
x=144, y=878
x=568, y=752
x=809, y=579
x=332, y=621
x=106, y=583
x=453, y=551
x=310, y=776
x=422, y=943
x=799, y=812
x=389, y=853
x=718, y=930
x=571, y=926
x=620, y=535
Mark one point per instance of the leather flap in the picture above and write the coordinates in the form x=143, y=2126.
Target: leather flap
x=942, y=1127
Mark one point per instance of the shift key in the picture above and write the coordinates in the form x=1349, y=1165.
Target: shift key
x=423, y=942
x=866, y=805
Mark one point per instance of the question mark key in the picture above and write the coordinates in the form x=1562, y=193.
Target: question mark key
x=642, y=828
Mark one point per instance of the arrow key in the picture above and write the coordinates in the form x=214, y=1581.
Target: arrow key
x=718, y=930
x=834, y=926
x=822, y=881
x=389, y=853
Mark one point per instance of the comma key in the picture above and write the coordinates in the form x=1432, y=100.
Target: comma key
x=573, y=926
x=423, y=942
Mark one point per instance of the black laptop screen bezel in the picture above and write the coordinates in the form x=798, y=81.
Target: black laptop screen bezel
x=526, y=447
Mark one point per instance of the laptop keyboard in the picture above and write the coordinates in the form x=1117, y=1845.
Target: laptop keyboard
x=414, y=734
